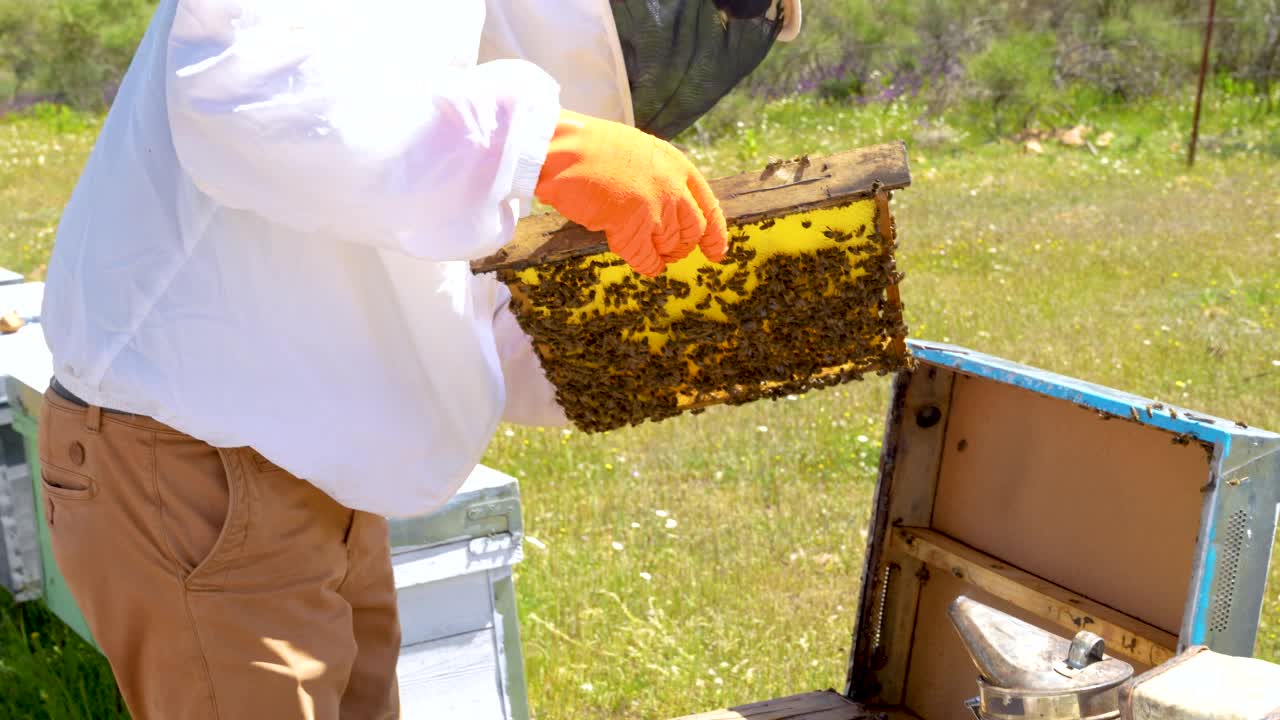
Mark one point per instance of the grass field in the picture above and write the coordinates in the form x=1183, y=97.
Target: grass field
x=715, y=559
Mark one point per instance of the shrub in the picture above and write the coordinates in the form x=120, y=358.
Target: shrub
x=1247, y=50
x=1012, y=80
x=21, y=40
x=72, y=51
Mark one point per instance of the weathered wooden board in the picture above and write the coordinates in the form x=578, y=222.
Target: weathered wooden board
x=1024, y=474
x=1126, y=637
x=891, y=585
x=782, y=188
x=825, y=705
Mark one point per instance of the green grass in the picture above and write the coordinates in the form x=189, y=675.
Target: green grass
x=715, y=559
x=47, y=671
x=41, y=154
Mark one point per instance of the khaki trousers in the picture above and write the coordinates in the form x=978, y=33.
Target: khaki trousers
x=217, y=584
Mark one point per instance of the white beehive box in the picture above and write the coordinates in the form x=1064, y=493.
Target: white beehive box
x=22, y=352
x=461, y=655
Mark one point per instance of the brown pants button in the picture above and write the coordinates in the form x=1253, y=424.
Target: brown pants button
x=76, y=451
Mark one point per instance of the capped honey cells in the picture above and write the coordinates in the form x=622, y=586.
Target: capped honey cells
x=799, y=302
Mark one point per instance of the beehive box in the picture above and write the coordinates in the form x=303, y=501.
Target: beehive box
x=806, y=297
x=460, y=654
x=21, y=352
x=1068, y=505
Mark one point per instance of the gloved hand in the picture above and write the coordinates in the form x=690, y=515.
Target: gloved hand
x=651, y=202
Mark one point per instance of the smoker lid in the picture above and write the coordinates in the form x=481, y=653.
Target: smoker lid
x=1026, y=672
x=1016, y=655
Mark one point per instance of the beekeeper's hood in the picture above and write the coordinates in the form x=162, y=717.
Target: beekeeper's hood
x=683, y=56
x=657, y=64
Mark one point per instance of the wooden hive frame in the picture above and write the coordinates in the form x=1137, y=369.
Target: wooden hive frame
x=816, y=205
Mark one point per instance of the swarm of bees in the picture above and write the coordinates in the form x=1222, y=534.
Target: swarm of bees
x=799, y=302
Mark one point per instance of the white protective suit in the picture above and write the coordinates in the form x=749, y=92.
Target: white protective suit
x=269, y=243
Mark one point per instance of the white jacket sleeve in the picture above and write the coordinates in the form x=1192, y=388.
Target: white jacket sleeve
x=367, y=122
x=531, y=398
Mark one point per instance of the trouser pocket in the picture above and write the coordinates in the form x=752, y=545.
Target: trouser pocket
x=203, y=495
x=66, y=484
x=68, y=478
x=63, y=486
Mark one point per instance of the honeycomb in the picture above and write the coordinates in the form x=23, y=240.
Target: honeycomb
x=803, y=301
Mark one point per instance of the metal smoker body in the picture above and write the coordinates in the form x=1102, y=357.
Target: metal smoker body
x=1027, y=673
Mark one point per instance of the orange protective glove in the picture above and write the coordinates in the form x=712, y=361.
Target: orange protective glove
x=651, y=202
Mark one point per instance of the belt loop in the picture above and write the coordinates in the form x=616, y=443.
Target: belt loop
x=93, y=419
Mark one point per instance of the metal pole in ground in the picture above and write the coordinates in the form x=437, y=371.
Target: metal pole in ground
x=1204, y=66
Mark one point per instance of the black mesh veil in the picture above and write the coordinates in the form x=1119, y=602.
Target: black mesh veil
x=683, y=56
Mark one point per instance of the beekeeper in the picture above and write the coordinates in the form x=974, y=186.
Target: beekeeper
x=265, y=332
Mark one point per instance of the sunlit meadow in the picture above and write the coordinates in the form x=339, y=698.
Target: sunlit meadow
x=712, y=560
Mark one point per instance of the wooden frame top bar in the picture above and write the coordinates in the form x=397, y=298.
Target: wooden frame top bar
x=783, y=188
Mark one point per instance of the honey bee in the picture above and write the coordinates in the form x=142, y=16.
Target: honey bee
x=781, y=338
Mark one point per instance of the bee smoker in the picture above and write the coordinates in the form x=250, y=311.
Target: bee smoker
x=1027, y=673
